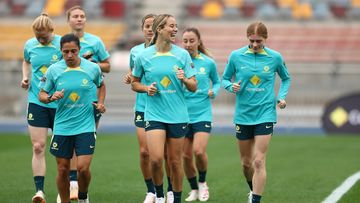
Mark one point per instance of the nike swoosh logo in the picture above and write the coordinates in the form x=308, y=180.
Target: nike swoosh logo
x=183, y=127
x=61, y=83
x=92, y=147
x=268, y=126
x=208, y=126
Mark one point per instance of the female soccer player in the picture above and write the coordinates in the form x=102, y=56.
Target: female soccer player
x=39, y=53
x=199, y=108
x=255, y=67
x=91, y=48
x=146, y=25
x=73, y=79
x=166, y=69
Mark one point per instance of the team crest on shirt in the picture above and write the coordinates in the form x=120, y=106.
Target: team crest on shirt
x=55, y=57
x=255, y=80
x=202, y=70
x=30, y=117
x=266, y=69
x=74, y=97
x=84, y=82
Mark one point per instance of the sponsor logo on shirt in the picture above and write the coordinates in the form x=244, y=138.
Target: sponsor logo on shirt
x=43, y=69
x=255, y=80
x=74, y=97
x=165, y=82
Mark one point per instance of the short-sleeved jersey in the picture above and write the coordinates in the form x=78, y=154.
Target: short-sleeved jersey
x=168, y=105
x=140, y=97
x=40, y=57
x=92, y=45
x=256, y=100
x=75, y=112
x=198, y=103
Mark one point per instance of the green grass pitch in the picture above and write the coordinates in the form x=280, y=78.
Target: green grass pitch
x=301, y=169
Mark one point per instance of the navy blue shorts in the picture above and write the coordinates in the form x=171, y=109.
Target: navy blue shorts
x=139, y=119
x=39, y=116
x=173, y=130
x=203, y=126
x=63, y=146
x=247, y=132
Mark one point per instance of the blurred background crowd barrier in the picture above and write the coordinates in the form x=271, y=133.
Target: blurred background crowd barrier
x=319, y=40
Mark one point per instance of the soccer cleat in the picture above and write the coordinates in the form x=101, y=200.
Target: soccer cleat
x=58, y=199
x=160, y=200
x=84, y=200
x=250, y=197
x=150, y=197
x=74, y=190
x=193, y=196
x=169, y=197
x=39, y=197
x=203, y=192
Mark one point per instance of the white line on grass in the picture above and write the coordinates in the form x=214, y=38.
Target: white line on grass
x=342, y=189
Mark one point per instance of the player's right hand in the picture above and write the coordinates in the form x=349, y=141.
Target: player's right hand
x=152, y=90
x=25, y=83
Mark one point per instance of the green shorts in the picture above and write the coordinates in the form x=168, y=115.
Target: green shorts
x=247, y=132
x=203, y=126
x=173, y=130
x=139, y=119
x=39, y=116
x=64, y=146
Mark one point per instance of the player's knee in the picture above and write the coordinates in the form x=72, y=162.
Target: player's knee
x=258, y=164
x=38, y=148
x=144, y=153
x=156, y=163
x=83, y=168
x=175, y=165
x=63, y=170
x=246, y=163
x=199, y=153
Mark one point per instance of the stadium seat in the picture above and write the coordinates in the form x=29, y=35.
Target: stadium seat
x=55, y=8
x=113, y=8
x=212, y=9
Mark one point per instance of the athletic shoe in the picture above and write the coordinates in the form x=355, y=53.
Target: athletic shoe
x=193, y=196
x=74, y=190
x=39, y=197
x=150, y=197
x=250, y=197
x=58, y=199
x=203, y=192
x=169, y=197
x=84, y=200
x=160, y=200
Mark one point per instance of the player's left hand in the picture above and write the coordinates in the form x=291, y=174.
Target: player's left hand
x=100, y=107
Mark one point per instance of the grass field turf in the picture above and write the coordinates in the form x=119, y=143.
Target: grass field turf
x=301, y=169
